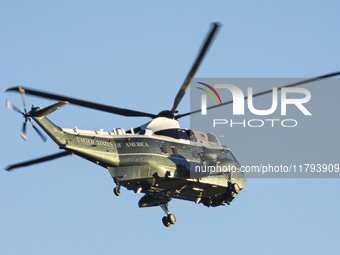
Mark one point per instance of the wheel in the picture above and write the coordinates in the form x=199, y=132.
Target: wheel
x=236, y=188
x=171, y=218
x=116, y=191
x=166, y=222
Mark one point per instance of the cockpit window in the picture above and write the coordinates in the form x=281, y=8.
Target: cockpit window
x=230, y=156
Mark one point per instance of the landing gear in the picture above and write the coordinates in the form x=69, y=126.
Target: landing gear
x=166, y=222
x=236, y=188
x=170, y=219
x=116, y=191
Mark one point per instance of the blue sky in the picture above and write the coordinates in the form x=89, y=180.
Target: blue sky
x=136, y=55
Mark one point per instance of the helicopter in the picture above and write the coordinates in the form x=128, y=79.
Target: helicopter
x=158, y=158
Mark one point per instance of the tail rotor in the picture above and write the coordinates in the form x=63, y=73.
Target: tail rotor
x=25, y=114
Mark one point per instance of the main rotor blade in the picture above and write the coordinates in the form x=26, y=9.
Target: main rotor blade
x=265, y=92
x=195, y=66
x=38, y=160
x=96, y=106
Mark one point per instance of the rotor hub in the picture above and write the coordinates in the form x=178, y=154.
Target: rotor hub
x=166, y=114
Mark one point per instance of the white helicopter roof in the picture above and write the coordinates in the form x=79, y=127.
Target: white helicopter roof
x=160, y=123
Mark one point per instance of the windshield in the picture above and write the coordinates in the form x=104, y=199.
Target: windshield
x=231, y=157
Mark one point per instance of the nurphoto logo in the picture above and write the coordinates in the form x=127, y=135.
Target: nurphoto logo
x=239, y=100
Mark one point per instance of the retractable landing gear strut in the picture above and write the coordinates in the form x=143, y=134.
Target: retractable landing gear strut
x=116, y=190
x=169, y=218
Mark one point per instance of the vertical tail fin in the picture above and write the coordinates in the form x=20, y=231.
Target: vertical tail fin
x=39, y=116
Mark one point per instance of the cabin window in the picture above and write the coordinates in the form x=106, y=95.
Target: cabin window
x=175, y=133
x=174, y=151
x=163, y=148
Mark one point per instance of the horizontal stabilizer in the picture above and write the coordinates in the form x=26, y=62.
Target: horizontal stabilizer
x=42, y=112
